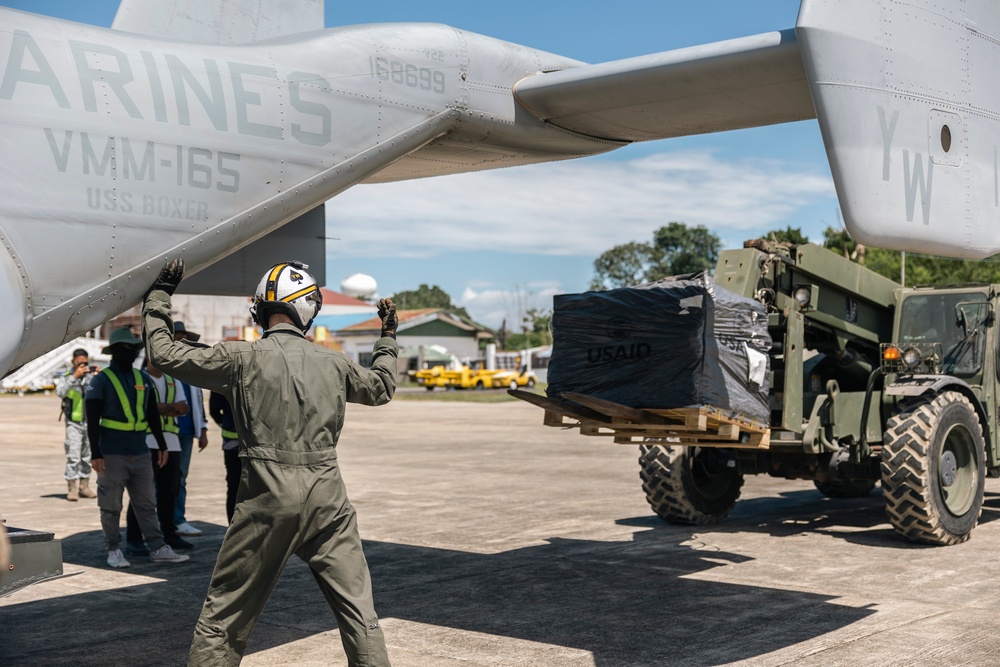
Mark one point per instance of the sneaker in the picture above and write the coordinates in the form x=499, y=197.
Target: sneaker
x=179, y=544
x=137, y=550
x=166, y=555
x=117, y=560
x=187, y=530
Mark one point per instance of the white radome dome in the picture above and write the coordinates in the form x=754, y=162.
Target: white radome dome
x=359, y=286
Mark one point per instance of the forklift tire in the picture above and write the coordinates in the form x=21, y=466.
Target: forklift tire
x=847, y=488
x=934, y=469
x=692, y=486
x=513, y=384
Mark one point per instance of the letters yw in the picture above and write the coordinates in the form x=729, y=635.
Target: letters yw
x=916, y=178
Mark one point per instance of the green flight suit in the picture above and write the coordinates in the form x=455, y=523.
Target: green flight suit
x=288, y=397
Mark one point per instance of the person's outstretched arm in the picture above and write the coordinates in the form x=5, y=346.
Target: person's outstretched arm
x=376, y=386
x=207, y=367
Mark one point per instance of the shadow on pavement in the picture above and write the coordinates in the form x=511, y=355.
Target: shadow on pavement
x=856, y=520
x=628, y=603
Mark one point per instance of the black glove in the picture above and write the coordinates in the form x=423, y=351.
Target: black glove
x=169, y=278
x=387, y=312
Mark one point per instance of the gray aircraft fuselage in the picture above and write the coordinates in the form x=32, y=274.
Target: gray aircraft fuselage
x=122, y=151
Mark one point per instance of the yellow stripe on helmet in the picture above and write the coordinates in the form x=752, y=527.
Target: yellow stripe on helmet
x=271, y=291
x=301, y=292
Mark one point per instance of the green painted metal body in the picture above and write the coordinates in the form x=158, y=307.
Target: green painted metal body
x=825, y=348
x=977, y=372
x=827, y=354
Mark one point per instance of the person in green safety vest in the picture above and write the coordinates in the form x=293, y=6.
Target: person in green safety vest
x=172, y=403
x=121, y=405
x=71, y=387
x=289, y=398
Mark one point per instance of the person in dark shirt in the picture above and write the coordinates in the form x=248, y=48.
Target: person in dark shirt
x=121, y=405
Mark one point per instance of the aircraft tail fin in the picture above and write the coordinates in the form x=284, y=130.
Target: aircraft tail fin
x=219, y=21
x=738, y=83
x=907, y=102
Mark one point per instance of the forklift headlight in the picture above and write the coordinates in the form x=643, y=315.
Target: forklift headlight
x=912, y=357
x=803, y=296
x=892, y=354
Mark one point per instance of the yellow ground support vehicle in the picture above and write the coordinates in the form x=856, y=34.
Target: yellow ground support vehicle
x=472, y=378
x=512, y=379
x=432, y=377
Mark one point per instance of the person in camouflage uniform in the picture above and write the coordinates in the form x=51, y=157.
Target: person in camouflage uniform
x=71, y=387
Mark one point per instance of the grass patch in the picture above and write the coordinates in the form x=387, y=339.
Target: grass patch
x=491, y=396
x=460, y=395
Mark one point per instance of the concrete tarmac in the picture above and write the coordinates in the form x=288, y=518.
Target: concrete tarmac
x=493, y=540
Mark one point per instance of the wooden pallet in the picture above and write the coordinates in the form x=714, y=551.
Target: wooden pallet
x=701, y=426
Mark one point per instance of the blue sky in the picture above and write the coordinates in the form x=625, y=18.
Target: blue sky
x=544, y=225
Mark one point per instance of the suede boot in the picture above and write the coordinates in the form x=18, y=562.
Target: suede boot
x=72, y=493
x=85, y=491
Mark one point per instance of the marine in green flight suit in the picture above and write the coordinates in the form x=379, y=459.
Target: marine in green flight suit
x=288, y=397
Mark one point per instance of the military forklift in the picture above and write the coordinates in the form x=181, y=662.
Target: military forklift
x=869, y=382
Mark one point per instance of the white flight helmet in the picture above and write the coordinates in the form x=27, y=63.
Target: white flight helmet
x=287, y=288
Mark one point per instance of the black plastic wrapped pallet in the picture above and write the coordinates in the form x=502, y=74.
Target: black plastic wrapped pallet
x=679, y=342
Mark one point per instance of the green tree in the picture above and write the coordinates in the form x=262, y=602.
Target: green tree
x=675, y=249
x=920, y=269
x=623, y=265
x=537, y=330
x=426, y=297
x=840, y=242
x=789, y=234
x=684, y=249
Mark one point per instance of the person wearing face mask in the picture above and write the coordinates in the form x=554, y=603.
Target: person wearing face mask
x=121, y=404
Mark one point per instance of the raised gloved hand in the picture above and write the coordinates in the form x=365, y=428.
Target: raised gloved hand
x=387, y=312
x=169, y=278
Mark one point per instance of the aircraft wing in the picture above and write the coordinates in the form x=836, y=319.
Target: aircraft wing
x=219, y=21
x=746, y=82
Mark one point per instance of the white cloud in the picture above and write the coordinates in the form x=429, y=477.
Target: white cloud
x=579, y=207
x=494, y=305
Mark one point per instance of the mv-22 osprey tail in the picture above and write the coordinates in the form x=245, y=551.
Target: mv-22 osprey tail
x=124, y=148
